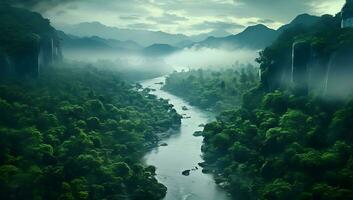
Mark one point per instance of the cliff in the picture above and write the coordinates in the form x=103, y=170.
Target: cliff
x=27, y=42
x=311, y=59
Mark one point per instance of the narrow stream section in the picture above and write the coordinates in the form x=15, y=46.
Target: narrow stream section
x=183, y=152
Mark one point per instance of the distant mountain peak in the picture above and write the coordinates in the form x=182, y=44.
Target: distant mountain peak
x=143, y=37
x=257, y=28
x=302, y=19
x=305, y=18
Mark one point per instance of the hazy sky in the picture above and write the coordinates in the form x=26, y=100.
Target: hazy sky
x=186, y=16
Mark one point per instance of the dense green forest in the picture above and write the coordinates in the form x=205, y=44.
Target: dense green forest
x=79, y=133
x=213, y=89
x=280, y=145
x=289, y=147
x=71, y=131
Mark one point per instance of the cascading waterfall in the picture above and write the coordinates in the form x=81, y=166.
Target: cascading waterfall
x=292, y=71
x=40, y=59
x=52, y=49
x=328, y=71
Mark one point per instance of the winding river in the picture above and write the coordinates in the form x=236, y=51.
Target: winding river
x=183, y=153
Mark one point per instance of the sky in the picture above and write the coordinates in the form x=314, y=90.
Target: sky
x=188, y=17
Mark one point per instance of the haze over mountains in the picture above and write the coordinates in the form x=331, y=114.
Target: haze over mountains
x=98, y=36
x=142, y=37
x=257, y=36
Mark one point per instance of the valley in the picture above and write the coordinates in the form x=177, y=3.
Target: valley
x=176, y=100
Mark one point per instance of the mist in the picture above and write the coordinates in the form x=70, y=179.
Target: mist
x=134, y=66
x=187, y=58
x=210, y=58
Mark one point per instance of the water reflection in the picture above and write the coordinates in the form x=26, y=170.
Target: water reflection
x=183, y=152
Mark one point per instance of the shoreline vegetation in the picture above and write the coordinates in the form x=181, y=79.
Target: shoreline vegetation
x=79, y=133
x=213, y=89
x=274, y=142
x=275, y=145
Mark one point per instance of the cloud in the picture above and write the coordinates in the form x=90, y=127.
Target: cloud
x=217, y=26
x=130, y=17
x=265, y=21
x=168, y=19
x=37, y=4
x=181, y=16
x=285, y=10
x=142, y=26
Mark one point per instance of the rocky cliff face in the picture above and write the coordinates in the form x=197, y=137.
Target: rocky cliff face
x=316, y=60
x=339, y=80
x=300, y=66
x=347, y=14
x=27, y=42
x=330, y=76
x=50, y=51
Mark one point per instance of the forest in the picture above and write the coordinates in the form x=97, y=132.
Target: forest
x=270, y=141
x=95, y=104
x=281, y=144
x=287, y=147
x=213, y=89
x=79, y=133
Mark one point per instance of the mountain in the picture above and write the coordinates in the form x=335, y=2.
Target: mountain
x=28, y=42
x=143, y=37
x=159, y=50
x=200, y=37
x=74, y=47
x=71, y=42
x=184, y=43
x=256, y=37
x=204, y=36
x=253, y=37
x=303, y=19
x=93, y=35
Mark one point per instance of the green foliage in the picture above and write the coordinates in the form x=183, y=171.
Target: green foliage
x=79, y=133
x=21, y=30
x=287, y=147
x=212, y=89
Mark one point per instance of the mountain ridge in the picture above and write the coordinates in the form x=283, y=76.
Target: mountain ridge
x=143, y=37
x=257, y=36
x=249, y=38
x=253, y=37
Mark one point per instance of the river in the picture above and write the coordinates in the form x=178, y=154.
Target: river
x=183, y=153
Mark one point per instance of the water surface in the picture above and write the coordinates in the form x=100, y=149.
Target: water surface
x=182, y=153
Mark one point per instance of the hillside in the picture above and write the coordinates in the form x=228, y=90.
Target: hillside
x=291, y=140
x=94, y=43
x=253, y=37
x=27, y=42
x=143, y=37
x=257, y=36
x=300, y=20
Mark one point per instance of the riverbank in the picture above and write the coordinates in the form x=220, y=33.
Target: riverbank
x=182, y=151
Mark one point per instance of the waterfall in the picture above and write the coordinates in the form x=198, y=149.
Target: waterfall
x=293, y=57
x=52, y=49
x=328, y=71
x=301, y=55
x=39, y=59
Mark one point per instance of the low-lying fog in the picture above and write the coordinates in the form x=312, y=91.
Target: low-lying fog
x=207, y=57
x=181, y=60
